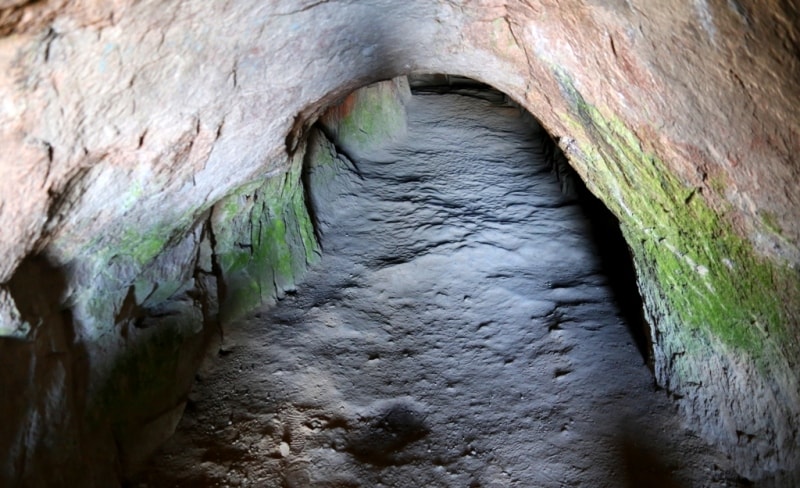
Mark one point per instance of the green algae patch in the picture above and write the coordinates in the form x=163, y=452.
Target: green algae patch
x=146, y=259
x=369, y=117
x=133, y=247
x=143, y=248
x=260, y=240
x=707, y=277
x=771, y=222
x=264, y=241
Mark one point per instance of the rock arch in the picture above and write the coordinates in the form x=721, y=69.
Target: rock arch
x=136, y=133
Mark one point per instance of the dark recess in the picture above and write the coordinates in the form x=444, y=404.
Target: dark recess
x=613, y=250
x=618, y=266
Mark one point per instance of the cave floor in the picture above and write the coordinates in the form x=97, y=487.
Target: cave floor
x=458, y=331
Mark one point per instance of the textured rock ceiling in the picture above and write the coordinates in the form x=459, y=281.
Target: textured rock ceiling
x=176, y=92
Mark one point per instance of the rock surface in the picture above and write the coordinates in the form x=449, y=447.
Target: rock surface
x=128, y=126
x=459, y=330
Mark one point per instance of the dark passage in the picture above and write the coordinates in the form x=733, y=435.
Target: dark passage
x=460, y=330
x=615, y=257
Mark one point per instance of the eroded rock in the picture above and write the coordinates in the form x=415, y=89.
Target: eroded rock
x=124, y=125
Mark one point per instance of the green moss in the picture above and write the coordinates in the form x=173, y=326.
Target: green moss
x=708, y=278
x=234, y=260
x=322, y=154
x=264, y=241
x=374, y=114
x=771, y=222
x=717, y=185
x=134, y=194
x=231, y=206
x=142, y=247
x=244, y=293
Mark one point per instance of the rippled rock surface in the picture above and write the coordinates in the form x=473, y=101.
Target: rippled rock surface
x=458, y=331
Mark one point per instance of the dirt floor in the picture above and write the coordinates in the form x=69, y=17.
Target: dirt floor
x=458, y=331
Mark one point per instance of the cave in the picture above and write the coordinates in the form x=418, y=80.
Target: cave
x=464, y=288
x=244, y=244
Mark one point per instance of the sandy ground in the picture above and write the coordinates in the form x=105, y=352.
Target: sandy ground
x=458, y=331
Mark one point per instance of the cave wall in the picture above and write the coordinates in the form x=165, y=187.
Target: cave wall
x=150, y=178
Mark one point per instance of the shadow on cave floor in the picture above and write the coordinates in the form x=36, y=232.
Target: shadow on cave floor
x=459, y=331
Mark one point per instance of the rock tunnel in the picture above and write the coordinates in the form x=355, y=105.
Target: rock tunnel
x=153, y=195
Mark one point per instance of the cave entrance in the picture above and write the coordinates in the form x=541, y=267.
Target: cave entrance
x=469, y=324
